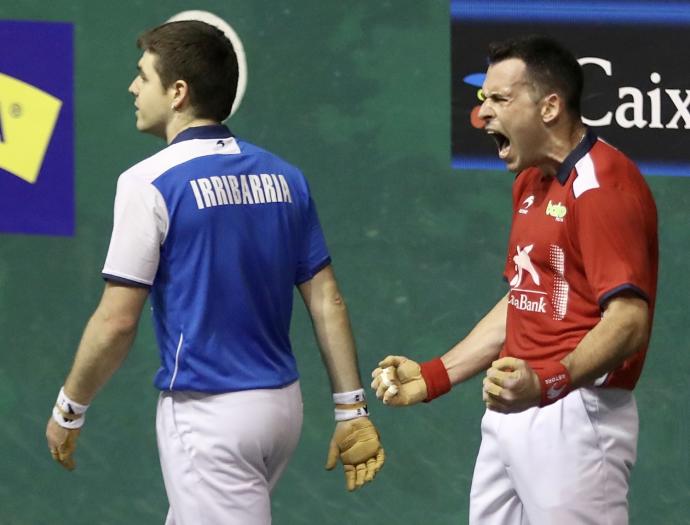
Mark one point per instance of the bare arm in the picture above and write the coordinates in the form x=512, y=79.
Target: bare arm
x=480, y=347
x=106, y=341
x=332, y=329
x=355, y=441
x=399, y=381
x=622, y=332
x=512, y=385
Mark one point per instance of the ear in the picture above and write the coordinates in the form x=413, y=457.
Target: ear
x=180, y=93
x=552, y=106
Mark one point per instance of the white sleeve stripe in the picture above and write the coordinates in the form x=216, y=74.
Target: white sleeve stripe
x=177, y=361
x=106, y=273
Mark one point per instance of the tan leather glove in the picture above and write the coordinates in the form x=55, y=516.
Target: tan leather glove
x=356, y=442
x=405, y=375
x=62, y=443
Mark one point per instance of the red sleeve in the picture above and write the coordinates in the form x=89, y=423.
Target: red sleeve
x=615, y=228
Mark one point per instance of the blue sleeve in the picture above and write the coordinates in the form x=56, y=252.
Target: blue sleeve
x=314, y=256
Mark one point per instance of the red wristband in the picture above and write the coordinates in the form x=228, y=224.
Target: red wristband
x=436, y=378
x=554, y=380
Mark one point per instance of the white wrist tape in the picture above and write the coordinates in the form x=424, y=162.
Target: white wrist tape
x=68, y=413
x=342, y=414
x=387, y=380
x=349, y=398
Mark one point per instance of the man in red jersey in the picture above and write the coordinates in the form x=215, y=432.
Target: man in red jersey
x=563, y=349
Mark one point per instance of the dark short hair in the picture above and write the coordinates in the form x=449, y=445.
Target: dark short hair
x=201, y=55
x=550, y=66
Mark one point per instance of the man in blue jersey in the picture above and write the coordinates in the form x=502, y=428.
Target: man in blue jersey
x=218, y=232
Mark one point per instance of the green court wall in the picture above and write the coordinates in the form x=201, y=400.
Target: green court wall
x=357, y=94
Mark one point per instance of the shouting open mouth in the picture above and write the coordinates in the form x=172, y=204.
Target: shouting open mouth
x=502, y=142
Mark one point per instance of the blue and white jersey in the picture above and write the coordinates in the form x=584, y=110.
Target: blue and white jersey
x=221, y=231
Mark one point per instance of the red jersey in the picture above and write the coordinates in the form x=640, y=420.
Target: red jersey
x=577, y=240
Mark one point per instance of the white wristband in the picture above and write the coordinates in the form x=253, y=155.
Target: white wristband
x=351, y=413
x=68, y=413
x=66, y=422
x=349, y=398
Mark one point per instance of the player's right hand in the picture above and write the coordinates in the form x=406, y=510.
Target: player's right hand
x=62, y=442
x=398, y=381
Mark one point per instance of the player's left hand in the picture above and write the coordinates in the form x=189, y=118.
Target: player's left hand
x=510, y=386
x=357, y=443
x=62, y=442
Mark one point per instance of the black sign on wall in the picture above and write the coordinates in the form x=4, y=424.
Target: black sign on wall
x=636, y=61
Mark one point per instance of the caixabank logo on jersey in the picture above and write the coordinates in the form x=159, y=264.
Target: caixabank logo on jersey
x=36, y=128
x=637, y=92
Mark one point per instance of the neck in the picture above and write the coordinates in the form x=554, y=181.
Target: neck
x=182, y=122
x=561, y=144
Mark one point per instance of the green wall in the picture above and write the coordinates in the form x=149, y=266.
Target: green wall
x=357, y=94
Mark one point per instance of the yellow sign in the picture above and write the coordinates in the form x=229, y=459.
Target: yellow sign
x=27, y=120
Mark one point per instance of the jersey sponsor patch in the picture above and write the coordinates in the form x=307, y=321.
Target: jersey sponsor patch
x=529, y=292
x=556, y=210
x=523, y=264
x=523, y=302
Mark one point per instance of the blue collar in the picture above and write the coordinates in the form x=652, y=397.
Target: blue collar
x=214, y=131
x=574, y=156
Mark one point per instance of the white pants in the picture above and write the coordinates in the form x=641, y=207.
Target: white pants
x=568, y=463
x=221, y=455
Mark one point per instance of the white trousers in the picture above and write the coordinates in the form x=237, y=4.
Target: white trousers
x=568, y=463
x=221, y=455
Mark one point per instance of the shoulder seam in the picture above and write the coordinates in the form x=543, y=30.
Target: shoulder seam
x=175, y=155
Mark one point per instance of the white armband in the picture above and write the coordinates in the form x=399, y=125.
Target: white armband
x=67, y=413
x=349, y=398
x=342, y=414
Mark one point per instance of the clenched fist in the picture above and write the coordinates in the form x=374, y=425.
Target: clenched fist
x=398, y=381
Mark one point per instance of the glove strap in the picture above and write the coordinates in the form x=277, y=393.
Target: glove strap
x=349, y=398
x=342, y=414
x=67, y=413
x=436, y=378
x=554, y=380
